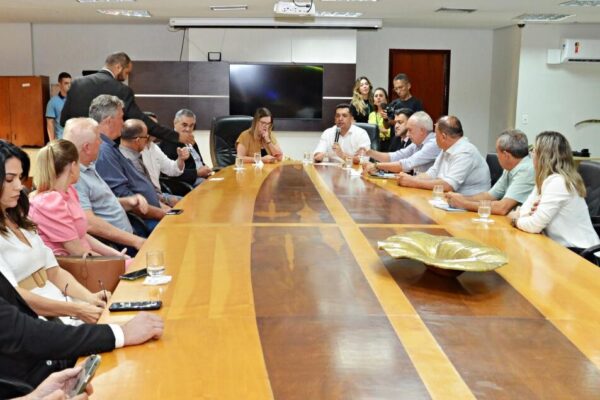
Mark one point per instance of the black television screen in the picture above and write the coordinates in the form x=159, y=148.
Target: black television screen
x=289, y=91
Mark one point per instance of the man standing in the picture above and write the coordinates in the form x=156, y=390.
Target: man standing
x=516, y=182
x=109, y=80
x=419, y=156
x=104, y=211
x=459, y=167
x=405, y=98
x=195, y=170
x=55, y=106
x=342, y=140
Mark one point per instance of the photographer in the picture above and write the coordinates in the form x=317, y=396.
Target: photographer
x=405, y=98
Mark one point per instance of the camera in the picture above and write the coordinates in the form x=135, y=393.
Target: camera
x=389, y=109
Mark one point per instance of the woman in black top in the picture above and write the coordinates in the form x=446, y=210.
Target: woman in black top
x=362, y=99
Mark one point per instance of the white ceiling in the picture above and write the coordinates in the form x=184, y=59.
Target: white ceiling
x=397, y=13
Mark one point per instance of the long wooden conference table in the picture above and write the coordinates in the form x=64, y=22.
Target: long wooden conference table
x=279, y=292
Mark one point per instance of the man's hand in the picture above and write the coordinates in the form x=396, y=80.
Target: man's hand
x=204, y=171
x=369, y=168
x=57, y=385
x=183, y=153
x=141, y=203
x=337, y=149
x=141, y=328
x=455, y=200
x=405, y=179
x=318, y=157
x=187, y=137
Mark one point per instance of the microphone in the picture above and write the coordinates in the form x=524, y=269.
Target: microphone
x=337, y=135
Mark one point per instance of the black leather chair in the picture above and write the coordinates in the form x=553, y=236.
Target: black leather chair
x=175, y=187
x=494, y=166
x=372, y=131
x=138, y=225
x=590, y=172
x=224, y=131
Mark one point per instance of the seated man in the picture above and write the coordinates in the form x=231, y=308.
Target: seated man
x=134, y=139
x=106, y=214
x=459, y=167
x=195, y=170
x=31, y=348
x=516, y=182
x=342, y=140
x=116, y=170
x=419, y=156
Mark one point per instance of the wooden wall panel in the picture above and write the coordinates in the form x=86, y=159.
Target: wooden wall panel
x=4, y=109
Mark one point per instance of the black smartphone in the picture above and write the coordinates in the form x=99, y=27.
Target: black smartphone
x=85, y=376
x=133, y=275
x=174, y=211
x=135, y=305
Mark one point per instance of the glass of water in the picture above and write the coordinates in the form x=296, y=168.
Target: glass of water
x=484, y=210
x=438, y=193
x=348, y=163
x=155, y=262
x=257, y=158
x=239, y=163
x=307, y=157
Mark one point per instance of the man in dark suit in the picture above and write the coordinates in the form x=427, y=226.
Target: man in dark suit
x=195, y=170
x=31, y=348
x=109, y=80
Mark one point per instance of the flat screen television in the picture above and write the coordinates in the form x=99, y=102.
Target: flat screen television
x=289, y=91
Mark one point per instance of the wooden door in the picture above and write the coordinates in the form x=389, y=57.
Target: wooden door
x=28, y=98
x=5, y=132
x=429, y=74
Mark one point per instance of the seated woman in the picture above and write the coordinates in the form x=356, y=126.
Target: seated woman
x=556, y=205
x=377, y=117
x=259, y=139
x=24, y=259
x=55, y=207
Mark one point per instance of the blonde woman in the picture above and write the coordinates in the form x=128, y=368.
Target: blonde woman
x=26, y=262
x=362, y=99
x=556, y=205
x=259, y=139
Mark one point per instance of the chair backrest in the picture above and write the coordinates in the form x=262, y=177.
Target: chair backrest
x=224, y=131
x=590, y=172
x=372, y=131
x=494, y=166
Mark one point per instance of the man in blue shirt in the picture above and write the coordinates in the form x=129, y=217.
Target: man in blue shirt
x=55, y=106
x=116, y=170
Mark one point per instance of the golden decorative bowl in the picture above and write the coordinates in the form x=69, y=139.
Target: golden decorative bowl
x=448, y=256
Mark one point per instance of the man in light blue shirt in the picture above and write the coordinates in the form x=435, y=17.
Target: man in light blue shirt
x=458, y=168
x=55, y=106
x=516, y=182
x=419, y=156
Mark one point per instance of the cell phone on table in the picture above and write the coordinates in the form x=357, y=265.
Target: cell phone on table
x=133, y=275
x=174, y=211
x=86, y=374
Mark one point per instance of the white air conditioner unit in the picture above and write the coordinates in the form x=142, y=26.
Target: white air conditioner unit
x=580, y=50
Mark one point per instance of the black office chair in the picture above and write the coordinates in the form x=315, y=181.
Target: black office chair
x=590, y=172
x=138, y=225
x=174, y=186
x=372, y=131
x=224, y=131
x=494, y=166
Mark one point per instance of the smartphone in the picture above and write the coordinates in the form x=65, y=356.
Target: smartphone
x=135, y=305
x=174, y=211
x=132, y=276
x=85, y=376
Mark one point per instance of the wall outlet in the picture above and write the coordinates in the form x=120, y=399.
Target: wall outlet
x=525, y=119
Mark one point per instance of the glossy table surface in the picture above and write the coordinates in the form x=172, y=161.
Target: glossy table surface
x=279, y=291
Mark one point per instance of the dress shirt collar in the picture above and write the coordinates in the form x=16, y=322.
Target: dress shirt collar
x=108, y=70
x=108, y=140
x=457, y=146
x=129, y=153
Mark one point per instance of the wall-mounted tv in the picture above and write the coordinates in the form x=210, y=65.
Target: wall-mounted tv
x=289, y=91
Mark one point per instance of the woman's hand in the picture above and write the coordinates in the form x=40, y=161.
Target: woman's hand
x=89, y=313
x=99, y=299
x=268, y=159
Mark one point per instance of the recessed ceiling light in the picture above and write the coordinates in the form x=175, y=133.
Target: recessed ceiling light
x=127, y=13
x=456, y=10
x=582, y=3
x=542, y=17
x=229, y=8
x=106, y=1
x=339, y=14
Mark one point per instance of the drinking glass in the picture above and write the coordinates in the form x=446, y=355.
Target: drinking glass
x=307, y=157
x=257, y=158
x=155, y=262
x=239, y=163
x=363, y=159
x=348, y=163
x=438, y=193
x=484, y=210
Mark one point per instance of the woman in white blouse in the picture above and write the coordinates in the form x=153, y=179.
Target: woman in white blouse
x=556, y=206
x=24, y=259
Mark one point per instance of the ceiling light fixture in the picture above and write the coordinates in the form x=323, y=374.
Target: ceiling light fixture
x=126, y=13
x=582, y=3
x=229, y=8
x=339, y=14
x=542, y=17
x=318, y=23
x=455, y=10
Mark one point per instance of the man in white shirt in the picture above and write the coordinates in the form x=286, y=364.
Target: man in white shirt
x=419, y=156
x=458, y=168
x=342, y=140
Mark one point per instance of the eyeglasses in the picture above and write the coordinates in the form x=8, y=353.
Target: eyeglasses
x=143, y=137
x=261, y=123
